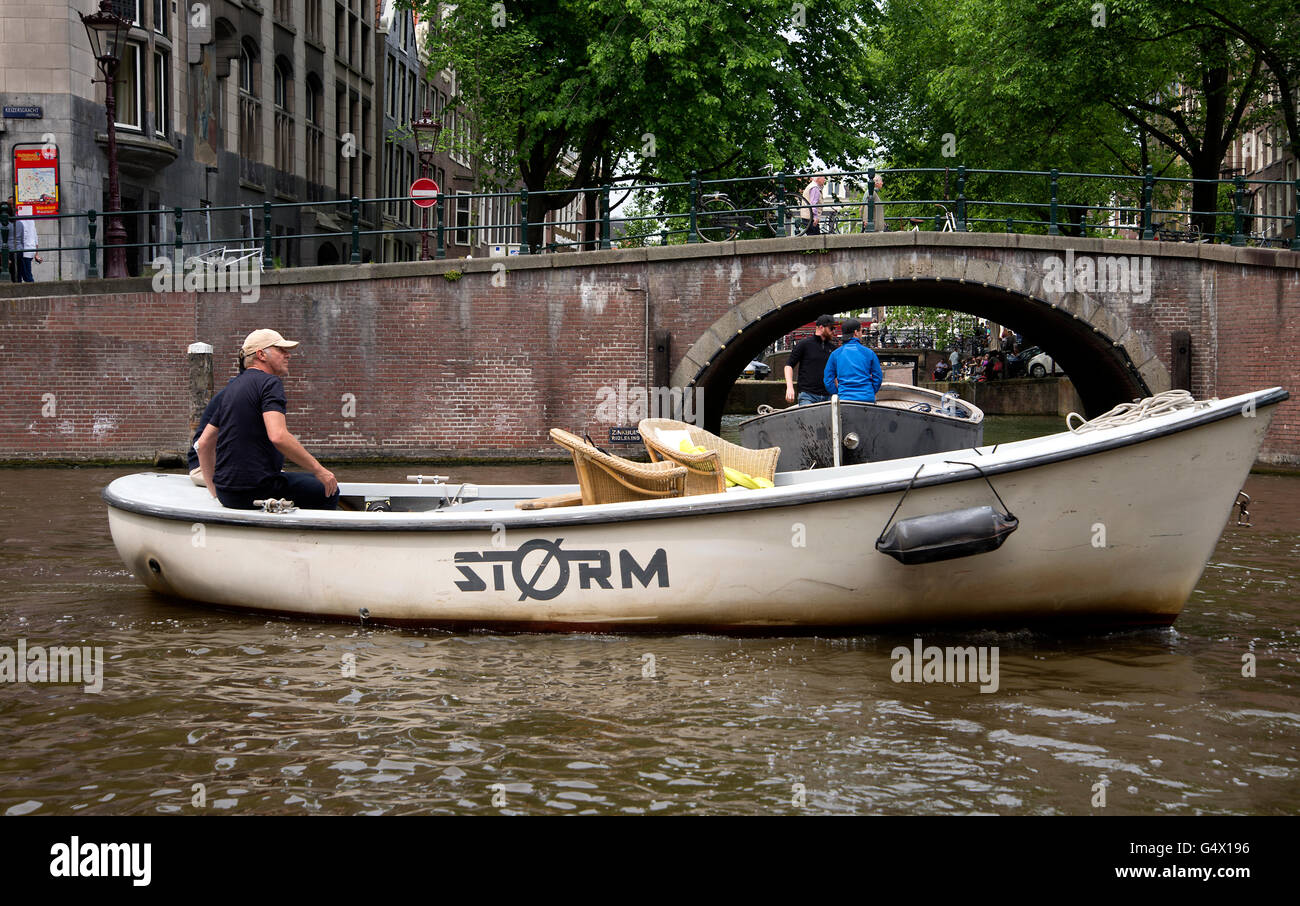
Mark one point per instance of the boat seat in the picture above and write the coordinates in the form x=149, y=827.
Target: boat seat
x=605, y=478
x=662, y=438
x=572, y=498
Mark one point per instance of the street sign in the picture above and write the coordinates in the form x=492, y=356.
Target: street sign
x=423, y=192
x=23, y=113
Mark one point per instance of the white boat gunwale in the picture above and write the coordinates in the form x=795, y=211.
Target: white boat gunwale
x=831, y=487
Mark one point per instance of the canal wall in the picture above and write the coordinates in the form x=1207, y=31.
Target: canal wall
x=1017, y=396
x=478, y=358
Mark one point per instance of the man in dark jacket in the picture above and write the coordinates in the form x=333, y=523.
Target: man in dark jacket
x=809, y=356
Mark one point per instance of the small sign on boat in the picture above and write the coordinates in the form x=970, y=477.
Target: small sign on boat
x=626, y=435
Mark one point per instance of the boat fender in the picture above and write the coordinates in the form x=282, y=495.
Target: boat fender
x=946, y=536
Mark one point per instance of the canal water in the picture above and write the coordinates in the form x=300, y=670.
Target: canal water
x=209, y=711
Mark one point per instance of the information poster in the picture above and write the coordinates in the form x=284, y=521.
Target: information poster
x=36, y=179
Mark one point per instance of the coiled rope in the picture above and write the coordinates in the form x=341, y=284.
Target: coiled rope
x=1128, y=413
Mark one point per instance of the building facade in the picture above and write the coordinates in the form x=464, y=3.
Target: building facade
x=222, y=107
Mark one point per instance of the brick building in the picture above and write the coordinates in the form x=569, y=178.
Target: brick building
x=231, y=104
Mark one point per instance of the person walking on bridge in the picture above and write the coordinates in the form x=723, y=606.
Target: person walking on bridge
x=812, y=210
x=853, y=371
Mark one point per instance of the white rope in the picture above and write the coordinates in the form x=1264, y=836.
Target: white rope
x=1128, y=413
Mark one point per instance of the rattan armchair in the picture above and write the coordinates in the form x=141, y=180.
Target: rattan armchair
x=604, y=478
x=704, y=470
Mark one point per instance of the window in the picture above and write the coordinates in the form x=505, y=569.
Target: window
x=246, y=80
x=283, y=83
x=161, y=92
x=161, y=12
x=312, y=19
x=127, y=88
x=129, y=10
x=283, y=116
x=250, y=112
x=315, y=138
x=462, y=217
x=390, y=89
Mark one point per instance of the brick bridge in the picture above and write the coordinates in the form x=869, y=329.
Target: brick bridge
x=480, y=357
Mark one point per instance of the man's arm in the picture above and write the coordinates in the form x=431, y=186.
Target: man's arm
x=207, y=447
x=876, y=374
x=796, y=358
x=277, y=431
x=829, y=377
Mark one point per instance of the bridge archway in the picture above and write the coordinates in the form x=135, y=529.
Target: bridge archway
x=1095, y=349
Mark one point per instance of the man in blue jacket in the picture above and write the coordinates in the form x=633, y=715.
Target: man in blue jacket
x=853, y=371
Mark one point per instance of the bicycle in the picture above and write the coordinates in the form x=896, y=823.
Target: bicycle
x=948, y=219
x=718, y=219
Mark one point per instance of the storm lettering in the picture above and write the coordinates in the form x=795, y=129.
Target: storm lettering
x=541, y=570
x=658, y=565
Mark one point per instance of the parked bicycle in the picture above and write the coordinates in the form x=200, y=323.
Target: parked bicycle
x=945, y=222
x=719, y=220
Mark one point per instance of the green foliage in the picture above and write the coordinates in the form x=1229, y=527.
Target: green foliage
x=452, y=276
x=653, y=89
x=1037, y=84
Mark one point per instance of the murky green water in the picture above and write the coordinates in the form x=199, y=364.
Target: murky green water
x=263, y=714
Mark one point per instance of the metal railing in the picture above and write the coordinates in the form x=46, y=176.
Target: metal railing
x=1116, y=205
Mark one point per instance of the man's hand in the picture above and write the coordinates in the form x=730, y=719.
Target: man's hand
x=326, y=477
x=789, y=394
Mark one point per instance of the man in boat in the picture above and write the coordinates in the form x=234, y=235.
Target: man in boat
x=853, y=371
x=809, y=356
x=244, y=445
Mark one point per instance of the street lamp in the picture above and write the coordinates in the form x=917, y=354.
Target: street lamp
x=107, y=33
x=426, y=130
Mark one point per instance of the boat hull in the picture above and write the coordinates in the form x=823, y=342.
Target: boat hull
x=1117, y=536
x=806, y=434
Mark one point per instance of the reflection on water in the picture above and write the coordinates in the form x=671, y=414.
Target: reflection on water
x=264, y=714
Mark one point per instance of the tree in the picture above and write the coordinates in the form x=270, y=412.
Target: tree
x=1071, y=84
x=651, y=89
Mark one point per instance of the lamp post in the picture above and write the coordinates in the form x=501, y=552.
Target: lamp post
x=426, y=130
x=107, y=33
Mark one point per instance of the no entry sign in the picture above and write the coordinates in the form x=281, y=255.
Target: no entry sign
x=423, y=192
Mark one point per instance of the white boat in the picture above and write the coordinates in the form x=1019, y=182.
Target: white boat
x=903, y=421
x=1115, y=528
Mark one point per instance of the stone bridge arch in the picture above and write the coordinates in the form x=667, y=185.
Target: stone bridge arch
x=1107, y=360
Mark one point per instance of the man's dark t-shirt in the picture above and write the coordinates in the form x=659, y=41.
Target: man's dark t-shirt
x=809, y=356
x=245, y=455
x=192, y=455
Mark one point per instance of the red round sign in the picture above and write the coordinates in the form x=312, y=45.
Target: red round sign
x=423, y=191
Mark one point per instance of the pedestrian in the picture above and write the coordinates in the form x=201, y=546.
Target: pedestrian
x=853, y=371
x=811, y=212
x=244, y=446
x=26, y=244
x=809, y=356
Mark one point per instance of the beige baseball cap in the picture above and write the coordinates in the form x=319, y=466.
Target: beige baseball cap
x=261, y=339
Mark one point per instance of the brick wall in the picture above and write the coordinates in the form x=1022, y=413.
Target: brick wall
x=398, y=360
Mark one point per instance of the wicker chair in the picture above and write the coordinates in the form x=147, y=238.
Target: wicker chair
x=704, y=470
x=604, y=478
